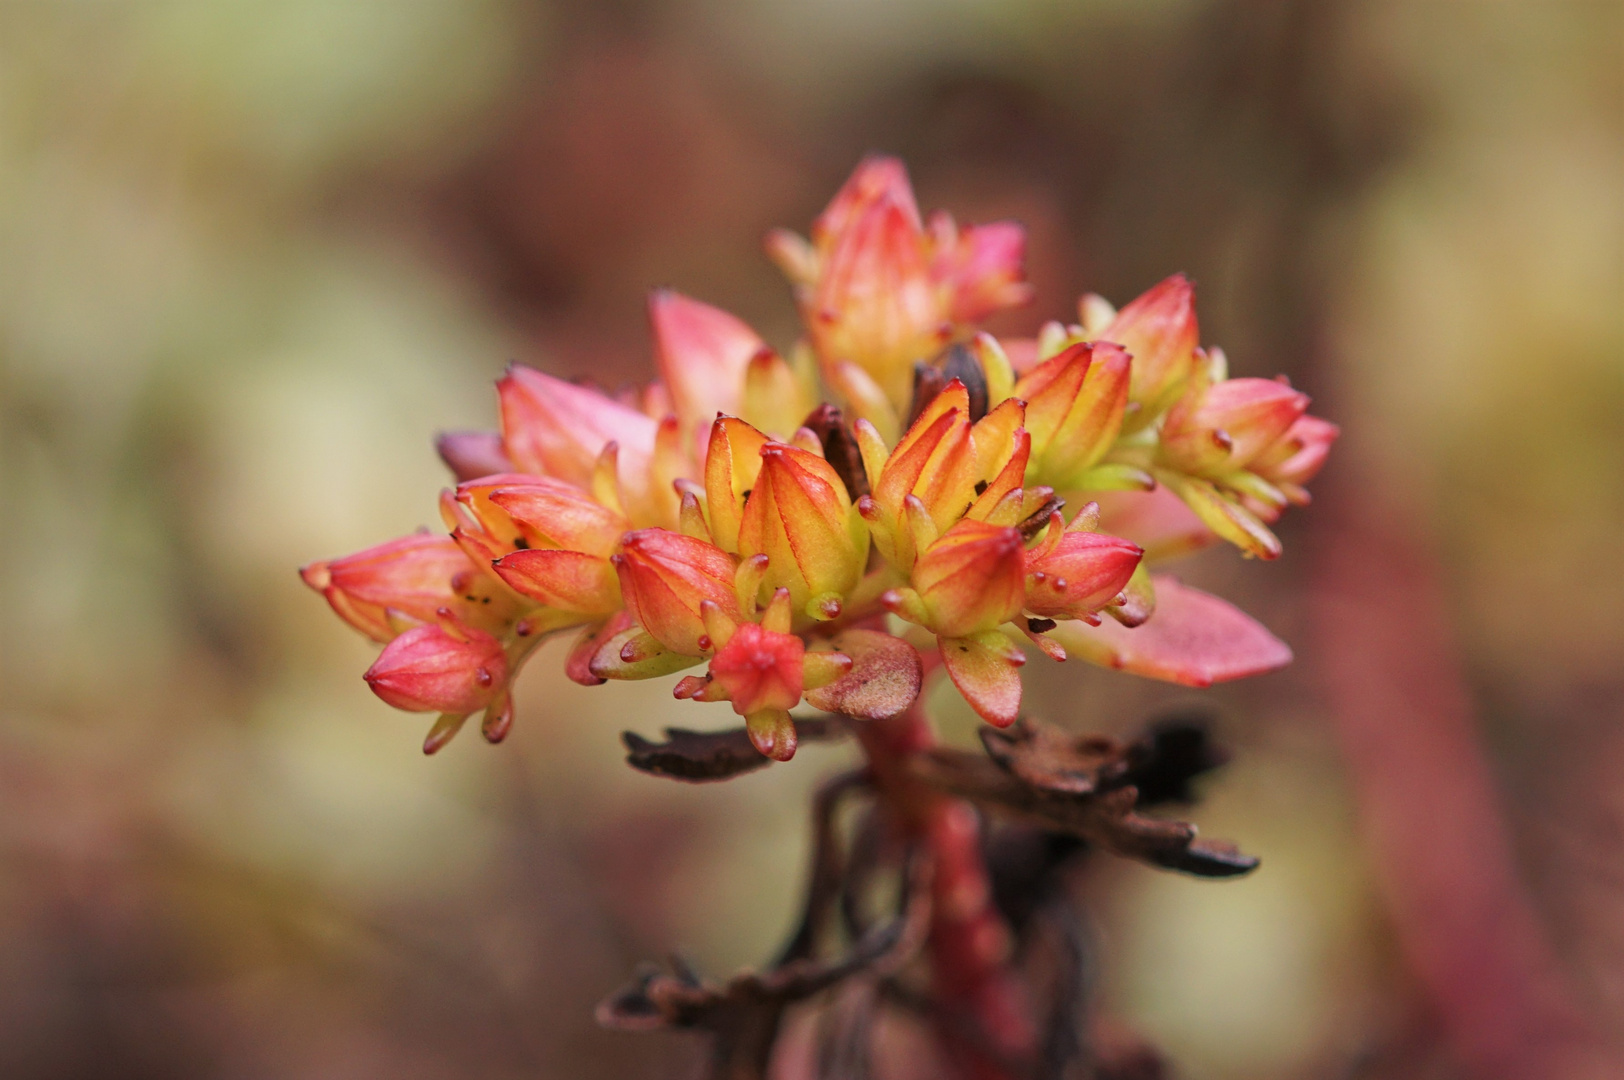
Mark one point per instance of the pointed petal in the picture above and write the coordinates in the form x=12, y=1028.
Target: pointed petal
x=567, y=580
x=472, y=454
x=732, y=464
x=1159, y=329
x=703, y=353
x=554, y=428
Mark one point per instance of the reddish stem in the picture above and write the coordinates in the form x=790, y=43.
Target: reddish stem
x=985, y=1017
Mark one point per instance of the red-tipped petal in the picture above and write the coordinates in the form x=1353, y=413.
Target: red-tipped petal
x=1194, y=638
x=561, y=514
x=972, y=579
x=1159, y=329
x=567, y=580
x=876, y=179
x=703, y=353
x=986, y=669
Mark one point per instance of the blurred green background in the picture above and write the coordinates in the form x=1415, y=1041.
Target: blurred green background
x=253, y=255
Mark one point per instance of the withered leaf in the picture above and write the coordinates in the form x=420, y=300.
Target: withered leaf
x=743, y=1015
x=1051, y=759
x=1037, y=519
x=1077, y=786
x=704, y=756
x=1173, y=752
x=839, y=448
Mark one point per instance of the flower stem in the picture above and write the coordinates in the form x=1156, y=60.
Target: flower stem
x=983, y=1017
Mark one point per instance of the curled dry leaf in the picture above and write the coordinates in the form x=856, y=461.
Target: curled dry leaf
x=702, y=756
x=743, y=1014
x=1080, y=787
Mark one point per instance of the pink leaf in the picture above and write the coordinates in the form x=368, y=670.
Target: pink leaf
x=1194, y=638
x=883, y=680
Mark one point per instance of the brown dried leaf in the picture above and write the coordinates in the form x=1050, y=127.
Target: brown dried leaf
x=703, y=756
x=839, y=448
x=1078, y=786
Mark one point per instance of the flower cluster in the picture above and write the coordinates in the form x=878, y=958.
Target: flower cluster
x=982, y=496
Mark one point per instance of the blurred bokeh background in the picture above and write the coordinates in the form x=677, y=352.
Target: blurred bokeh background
x=253, y=255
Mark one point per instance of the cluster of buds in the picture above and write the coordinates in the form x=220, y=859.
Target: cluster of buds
x=986, y=496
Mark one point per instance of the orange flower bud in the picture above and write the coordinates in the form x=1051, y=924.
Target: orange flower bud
x=384, y=589
x=440, y=667
x=1073, y=574
x=1074, y=407
x=881, y=291
x=801, y=518
x=972, y=579
x=935, y=461
x=1229, y=423
x=875, y=303
x=665, y=576
x=1159, y=331
x=732, y=464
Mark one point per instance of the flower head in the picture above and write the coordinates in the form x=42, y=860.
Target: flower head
x=724, y=516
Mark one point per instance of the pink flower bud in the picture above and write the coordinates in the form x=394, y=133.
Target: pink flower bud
x=1159, y=331
x=665, y=576
x=1229, y=423
x=1079, y=574
x=1296, y=457
x=983, y=268
x=440, y=667
x=412, y=577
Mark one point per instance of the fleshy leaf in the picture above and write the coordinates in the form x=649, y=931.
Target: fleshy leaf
x=986, y=669
x=1194, y=638
x=883, y=681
